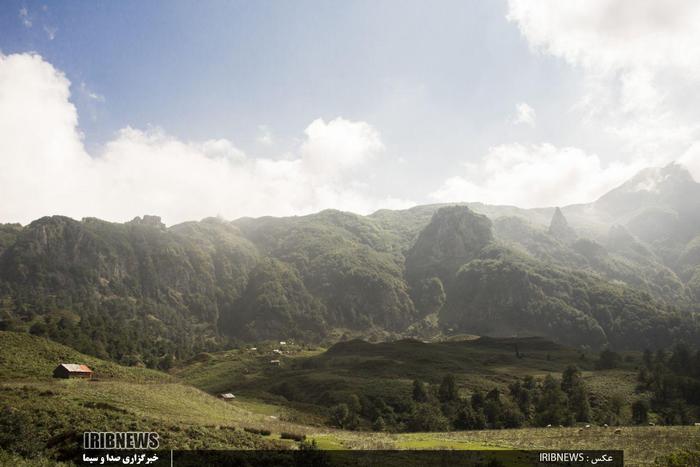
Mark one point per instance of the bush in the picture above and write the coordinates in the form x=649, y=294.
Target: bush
x=640, y=412
x=681, y=458
x=258, y=431
x=608, y=360
x=294, y=436
x=427, y=417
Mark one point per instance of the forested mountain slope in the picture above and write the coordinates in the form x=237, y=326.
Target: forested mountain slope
x=141, y=293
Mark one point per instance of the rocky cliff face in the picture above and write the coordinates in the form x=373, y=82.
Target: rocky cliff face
x=454, y=236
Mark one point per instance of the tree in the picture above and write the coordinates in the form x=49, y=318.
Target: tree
x=10, y=324
x=469, y=419
x=354, y=404
x=570, y=378
x=427, y=417
x=339, y=414
x=523, y=395
x=578, y=403
x=552, y=407
x=608, y=360
x=477, y=400
x=493, y=411
x=493, y=395
x=681, y=359
x=572, y=385
x=648, y=359
x=38, y=329
x=166, y=362
x=511, y=416
x=419, y=392
x=379, y=424
x=431, y=296
x=640, y=412
x=448, y=389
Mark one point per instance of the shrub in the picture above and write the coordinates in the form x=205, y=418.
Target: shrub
x=640, y=412
x=294, y=436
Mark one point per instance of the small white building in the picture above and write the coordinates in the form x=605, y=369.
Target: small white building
x=227, y=396
x=275, y=362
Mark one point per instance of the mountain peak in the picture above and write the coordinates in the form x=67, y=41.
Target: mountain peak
x=454, y=236
x=559, y=227
x=153, y=221
x=671, y=186
x=659, y=179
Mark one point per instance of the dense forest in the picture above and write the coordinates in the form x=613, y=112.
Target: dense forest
x=622, y=272
x=530, y=402
x=669, y=384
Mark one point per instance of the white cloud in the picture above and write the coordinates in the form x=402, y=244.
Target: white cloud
x=640, y=59
x=45, y=169
x=24, y=16
x=691, y=159
x=41, y=152
x=535, y=176
x=525, y=114
x=90, y=94
x=334, y=147
x=50, y=32
x=265, y=136
x=609, y=35
x=640, y=64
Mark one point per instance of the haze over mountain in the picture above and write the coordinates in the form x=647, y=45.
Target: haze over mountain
x=622, y=271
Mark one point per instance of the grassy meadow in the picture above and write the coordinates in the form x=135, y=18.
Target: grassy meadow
x=43, y=418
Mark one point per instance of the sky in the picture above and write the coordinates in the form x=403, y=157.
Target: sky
x=188, y=110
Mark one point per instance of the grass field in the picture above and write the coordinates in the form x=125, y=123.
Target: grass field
x=642, y=445
x=387, y=370
x=47, y=416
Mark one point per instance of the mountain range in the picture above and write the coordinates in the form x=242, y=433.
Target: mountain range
x=622, y=271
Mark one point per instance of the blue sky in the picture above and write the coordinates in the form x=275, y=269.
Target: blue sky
x=439, y=82
x=202, y=69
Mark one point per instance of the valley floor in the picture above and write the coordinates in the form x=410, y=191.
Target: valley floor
x=45, y=417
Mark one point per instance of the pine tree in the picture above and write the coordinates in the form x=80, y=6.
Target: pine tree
x=379, y=424
x=578, y=404
x=570, y=378
x=469, y=419
x=640, y=412
x=339, y=415
x=552, y=407
x=448, y=389
x=419, y=393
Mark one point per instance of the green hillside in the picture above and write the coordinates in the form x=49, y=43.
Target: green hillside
x=46, y=417
x=26, y=357
x=43, y=418
x=378, y=378
x=378, y=381
x=141, y=293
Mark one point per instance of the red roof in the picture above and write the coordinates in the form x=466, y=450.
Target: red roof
x=76, y=368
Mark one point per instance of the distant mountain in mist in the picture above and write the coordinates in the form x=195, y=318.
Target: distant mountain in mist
x=623, y=271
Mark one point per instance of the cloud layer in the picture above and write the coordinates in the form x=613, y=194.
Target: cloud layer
x=640, y=61
x=640, y=64
x=45, y=168
x=525, y=114
x=535, y=176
